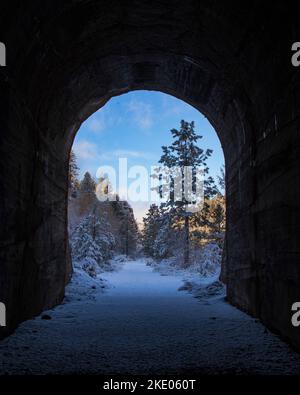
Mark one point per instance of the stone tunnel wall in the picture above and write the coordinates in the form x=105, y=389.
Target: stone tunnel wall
x=65, y=59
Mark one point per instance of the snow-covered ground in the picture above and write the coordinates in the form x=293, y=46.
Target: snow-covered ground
x=204, y=262
x=136, y=321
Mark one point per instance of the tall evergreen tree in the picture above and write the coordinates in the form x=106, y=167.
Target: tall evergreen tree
x=128, y=229
x=150, y=229
x=184, y=153
x=92, y=243
x=221, y=179
x=87, y=184
x=218, y=219
x=73, y=174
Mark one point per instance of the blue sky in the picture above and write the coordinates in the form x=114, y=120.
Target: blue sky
x=135, y=125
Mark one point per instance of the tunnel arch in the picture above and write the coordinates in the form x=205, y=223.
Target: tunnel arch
x=65, y=60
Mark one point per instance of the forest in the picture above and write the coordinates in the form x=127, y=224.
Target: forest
x=171, y=237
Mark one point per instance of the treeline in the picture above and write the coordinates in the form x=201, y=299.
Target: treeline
x=99, y=229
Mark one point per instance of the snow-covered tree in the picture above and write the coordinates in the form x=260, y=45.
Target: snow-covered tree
x=167, y=240
x=92, y=243
x=150, y=229
x=184, y=153
x=160, y=237
x=221, y=180
x=218, y=218
x=73, y=174
x=128, y=229
x=209, y=222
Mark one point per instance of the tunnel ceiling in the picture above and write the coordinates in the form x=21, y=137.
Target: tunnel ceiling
x=77, y=54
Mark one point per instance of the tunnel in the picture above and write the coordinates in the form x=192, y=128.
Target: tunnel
x=231, y=61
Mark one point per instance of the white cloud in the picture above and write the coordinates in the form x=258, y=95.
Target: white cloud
x=142, y=113
x=102, y=120
x=174, y=107
x=130, y=154
x=84, y=149
x=96, y=126
x=96, y=122
x=123, y=153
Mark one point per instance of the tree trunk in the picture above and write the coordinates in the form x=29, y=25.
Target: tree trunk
x=186, y=259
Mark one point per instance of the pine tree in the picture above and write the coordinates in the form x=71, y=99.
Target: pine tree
x=168, y=236
x=87, y=185
x=160, y=236
x=221, y=179
x=150, y=230
x=128, y=229
x=182, y=153
x=209, y=222
x=218, y=218
x=92, y=243
x=73, y=174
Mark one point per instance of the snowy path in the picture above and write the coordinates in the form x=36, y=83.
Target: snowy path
x=144, y=325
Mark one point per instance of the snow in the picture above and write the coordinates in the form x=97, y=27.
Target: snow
x=205, y=264
x=92, y=245
x=134, y=320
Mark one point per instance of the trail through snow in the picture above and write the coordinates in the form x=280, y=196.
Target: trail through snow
x=142, y=324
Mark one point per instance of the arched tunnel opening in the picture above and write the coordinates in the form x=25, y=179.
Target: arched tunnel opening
x=114, y=201
x=65, y=60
